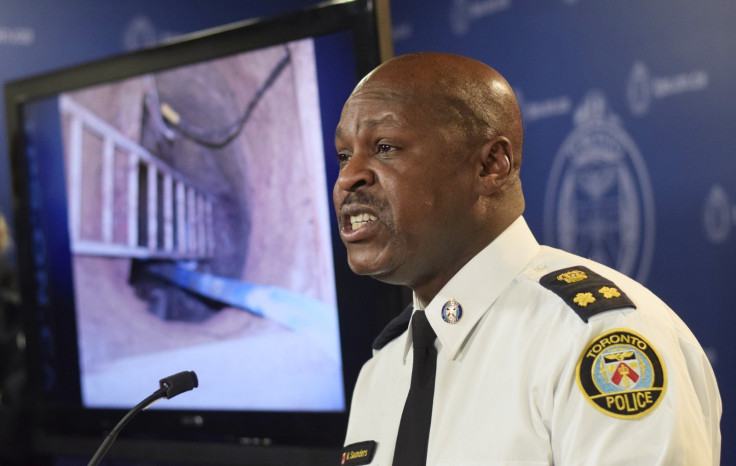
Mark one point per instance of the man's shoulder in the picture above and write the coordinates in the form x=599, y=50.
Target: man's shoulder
x=586, y=292
x=587, y=287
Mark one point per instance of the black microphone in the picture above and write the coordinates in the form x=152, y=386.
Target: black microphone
x=179, y=383
x=169, y=387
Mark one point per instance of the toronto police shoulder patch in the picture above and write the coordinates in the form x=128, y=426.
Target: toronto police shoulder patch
x=586, y=292
x=622, y=374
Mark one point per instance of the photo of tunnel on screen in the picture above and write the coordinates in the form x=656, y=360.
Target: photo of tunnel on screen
x=199, y=226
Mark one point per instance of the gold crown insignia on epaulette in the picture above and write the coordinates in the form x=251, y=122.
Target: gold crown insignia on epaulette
x=586, y=292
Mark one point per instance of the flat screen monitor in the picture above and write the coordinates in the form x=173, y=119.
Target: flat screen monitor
x=174, y=213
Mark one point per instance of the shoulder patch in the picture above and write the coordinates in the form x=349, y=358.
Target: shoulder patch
x=621, y=374
x=586, y=292
x=396, y=327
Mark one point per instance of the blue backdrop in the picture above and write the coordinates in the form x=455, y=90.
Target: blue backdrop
x=629, y=111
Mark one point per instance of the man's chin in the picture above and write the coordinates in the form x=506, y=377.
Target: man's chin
x=372, y=269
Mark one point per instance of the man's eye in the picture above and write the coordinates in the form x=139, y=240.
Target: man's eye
x=383, y=148
x=342, y=158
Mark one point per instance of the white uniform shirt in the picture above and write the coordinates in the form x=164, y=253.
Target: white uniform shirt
x=506, y=390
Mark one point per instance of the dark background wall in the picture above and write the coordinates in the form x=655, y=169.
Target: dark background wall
x=629, y=112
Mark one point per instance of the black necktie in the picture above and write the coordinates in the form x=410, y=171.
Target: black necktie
x=411, y=442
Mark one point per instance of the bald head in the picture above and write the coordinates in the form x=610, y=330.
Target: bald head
x=455, y=90
x=429, y=147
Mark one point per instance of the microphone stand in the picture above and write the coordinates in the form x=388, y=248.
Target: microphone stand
x=169, y=389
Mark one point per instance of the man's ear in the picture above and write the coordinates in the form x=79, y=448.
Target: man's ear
x=497, y=158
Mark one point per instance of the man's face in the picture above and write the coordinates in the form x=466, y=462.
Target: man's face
x=404, y=189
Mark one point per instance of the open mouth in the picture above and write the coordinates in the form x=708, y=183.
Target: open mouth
x=360, y=220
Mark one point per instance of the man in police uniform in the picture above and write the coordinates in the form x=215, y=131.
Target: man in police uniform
x=542, y=357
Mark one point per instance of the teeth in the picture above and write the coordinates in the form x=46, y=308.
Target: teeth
x=359, y=221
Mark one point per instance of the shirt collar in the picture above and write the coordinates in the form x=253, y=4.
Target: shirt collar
x=479, y=283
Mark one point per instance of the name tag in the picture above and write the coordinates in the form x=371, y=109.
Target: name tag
x=358, y=453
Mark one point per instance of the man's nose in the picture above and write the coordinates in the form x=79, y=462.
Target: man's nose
x=357, y=172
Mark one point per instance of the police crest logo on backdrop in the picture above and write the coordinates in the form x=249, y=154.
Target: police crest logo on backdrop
x=638, y=90
x=599, y=201
x=719, y=215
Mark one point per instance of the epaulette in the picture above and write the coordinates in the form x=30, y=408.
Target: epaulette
x=586, y=292
x=396, y=327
